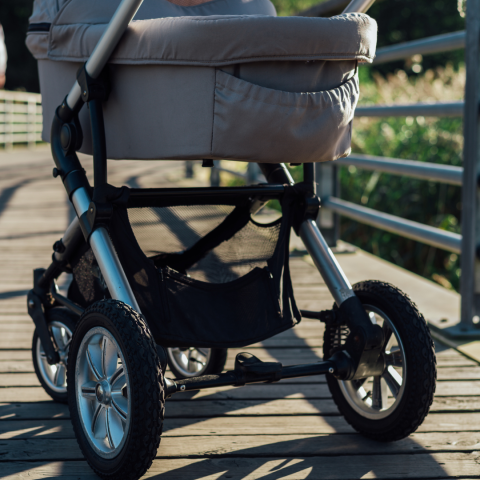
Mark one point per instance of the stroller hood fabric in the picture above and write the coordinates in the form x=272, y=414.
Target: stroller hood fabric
x=226, y=79
x=200, y=39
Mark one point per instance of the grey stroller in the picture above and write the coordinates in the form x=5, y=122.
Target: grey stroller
x=179, y=275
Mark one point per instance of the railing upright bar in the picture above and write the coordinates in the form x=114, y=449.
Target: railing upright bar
x=470, y=265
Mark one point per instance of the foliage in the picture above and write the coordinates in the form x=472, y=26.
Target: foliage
x=423, y=139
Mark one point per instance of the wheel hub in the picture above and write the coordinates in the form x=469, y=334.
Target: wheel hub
x=103, y=393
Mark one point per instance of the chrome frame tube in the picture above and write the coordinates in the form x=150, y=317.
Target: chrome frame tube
x=360, y=6
x=325, y=261
x=106, y=256
x=107, y=43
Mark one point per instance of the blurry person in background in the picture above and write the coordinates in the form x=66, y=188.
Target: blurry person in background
x=3, y=58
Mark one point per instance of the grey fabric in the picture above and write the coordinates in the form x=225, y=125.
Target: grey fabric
x=252, y=122
x=100, y=12
x=183, y=112
x=220, y=40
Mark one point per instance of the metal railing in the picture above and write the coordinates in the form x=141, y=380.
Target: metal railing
x=20, y=118
x=466, y=176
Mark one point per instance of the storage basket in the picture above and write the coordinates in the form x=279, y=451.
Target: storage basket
x=203, y=275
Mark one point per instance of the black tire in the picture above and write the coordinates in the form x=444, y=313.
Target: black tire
x=215, y=364
x=420, y=365
x=137, y=351
x=55, y=316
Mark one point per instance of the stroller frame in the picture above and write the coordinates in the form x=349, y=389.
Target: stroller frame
x=361, y=356
x=114, y=355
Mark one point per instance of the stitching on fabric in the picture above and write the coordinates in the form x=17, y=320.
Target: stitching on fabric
x=339, y=56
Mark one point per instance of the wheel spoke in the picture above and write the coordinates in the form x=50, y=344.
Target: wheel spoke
x=120, y=405
x=93, y=361
x=108, y=429
x=109, y=357
x=88, y=390
x=387, y=333
x=393, y=380
x=115, y=426
x=59, y=378
x=379, y=394
x=58, y=336
x=98, y=422
x=118, y=377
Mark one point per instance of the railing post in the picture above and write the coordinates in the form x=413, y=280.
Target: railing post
x=326, y=177
x=470, y=263
x=215, y=174
x=188, y=169
x=31, y=121
x=9, y=110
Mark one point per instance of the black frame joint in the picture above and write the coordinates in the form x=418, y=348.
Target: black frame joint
x=93, y=88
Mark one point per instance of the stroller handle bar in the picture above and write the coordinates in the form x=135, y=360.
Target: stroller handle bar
x=116, y=28
x=360, y=6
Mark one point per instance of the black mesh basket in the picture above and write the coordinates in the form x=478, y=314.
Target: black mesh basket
x=203, y=275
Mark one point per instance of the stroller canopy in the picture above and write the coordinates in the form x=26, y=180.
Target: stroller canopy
x=209, y=40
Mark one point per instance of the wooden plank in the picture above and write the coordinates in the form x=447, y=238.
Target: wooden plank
x=433, y=466
x=319, y=445
x=440, y=417
x=267, y=392
x=61, y=427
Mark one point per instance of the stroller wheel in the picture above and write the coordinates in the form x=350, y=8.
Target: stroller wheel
x=53, y=378
x=192, y=362
x=393, y=405
x=115, y=392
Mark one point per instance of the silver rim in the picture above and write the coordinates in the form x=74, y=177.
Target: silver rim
x=55, y=376
x=190, y=362
x=378, y=397
x=103, y=392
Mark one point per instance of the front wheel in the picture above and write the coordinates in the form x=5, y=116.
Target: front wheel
x=393, y=405
x=115, y=390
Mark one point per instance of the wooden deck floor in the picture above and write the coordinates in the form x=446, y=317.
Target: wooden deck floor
x=287, y=430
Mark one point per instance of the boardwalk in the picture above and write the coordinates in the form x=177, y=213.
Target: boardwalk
x=286, y=430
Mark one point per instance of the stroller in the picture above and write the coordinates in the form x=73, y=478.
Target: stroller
x=176, y=276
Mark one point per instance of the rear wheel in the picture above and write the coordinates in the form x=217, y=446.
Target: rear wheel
x=53, y=378
x=192, y=362
x=392, y=405
x=115, y=392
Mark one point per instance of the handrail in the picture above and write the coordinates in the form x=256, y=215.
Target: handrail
x=391, y=223
x=439, y=109
x=411, y=168
x=437, y=44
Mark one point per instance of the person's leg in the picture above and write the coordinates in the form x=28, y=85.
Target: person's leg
x=2, y=81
